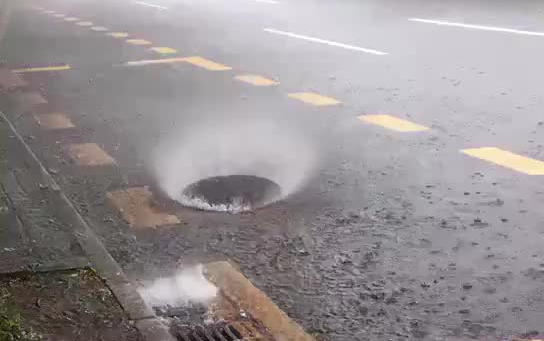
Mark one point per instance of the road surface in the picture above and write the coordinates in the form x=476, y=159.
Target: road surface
x=407, y=136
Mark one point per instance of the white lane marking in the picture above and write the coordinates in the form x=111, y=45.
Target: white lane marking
x=143, y=3
x=327, y=42
x=267, y=1
x=477, y=27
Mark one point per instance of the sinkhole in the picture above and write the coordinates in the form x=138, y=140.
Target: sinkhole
x=231, y=193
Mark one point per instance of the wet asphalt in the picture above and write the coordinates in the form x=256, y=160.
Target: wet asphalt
x=391, y=235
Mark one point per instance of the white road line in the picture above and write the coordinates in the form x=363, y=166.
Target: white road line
x=267, y=1
x=149, y=5
x=477, y=27
x=327, y=42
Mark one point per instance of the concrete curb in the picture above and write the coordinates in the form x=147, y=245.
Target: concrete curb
x=102, y=262
x=239, y=289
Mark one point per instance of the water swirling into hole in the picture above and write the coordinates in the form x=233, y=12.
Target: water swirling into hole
x=234, y=166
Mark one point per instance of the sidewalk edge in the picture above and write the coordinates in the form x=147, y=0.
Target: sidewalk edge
x=102, y=262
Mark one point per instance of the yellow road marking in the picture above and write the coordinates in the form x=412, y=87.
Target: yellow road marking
x=84, y=23
x=137, y=208
x=507, y=159
x=155, y=61
x=313, y=98
x=256, y=80
x=164, y=50
x=99, y=29
x=58, y=15
x=392, y=123
x=54, y=121
x=42, y=69
x=236, y=288
x=206, y=64
x=71, y=19
x=138, y=42
x=118, y=34
x=89, y=154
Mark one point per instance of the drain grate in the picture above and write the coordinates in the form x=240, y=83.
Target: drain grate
x=216, y=332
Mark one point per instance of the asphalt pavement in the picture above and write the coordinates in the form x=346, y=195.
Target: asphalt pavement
x=407, y=138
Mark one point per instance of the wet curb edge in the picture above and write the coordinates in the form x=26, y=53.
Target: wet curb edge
x=102, y=262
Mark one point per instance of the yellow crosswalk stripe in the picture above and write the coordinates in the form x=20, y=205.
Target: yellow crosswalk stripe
x=164, y=50
x=393, y=123
x=89, y=154
x=507, y=159
x=42, y=69
x=136, y=207
x=99, y=29
x=256, y=80
x=313, y=98
x=138, y=42
x=206, y=64
x=118, y=34
x=155, y=61
x=54, y=121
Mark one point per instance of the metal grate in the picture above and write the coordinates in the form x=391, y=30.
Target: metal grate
x=216, y=332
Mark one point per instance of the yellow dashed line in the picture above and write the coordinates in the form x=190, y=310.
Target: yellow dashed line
x=43, y=69
x=256, y=80
x=393, y=123
x=54, y=121
x=206, y=64
x=164, y=50
x=71, y=19
x=155, y=61
x=138, y=42
x=118, y=34
x=135, y=205
x=507, y=159
x=89, y=154
x=84, y=23
x=99, y=29
x=314, y=99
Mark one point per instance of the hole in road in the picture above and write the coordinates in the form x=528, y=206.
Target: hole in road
x=231, y=193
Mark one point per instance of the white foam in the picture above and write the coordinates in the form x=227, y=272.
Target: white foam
x=187, y=286
x=235, y=207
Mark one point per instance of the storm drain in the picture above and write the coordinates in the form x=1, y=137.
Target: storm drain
x=217, y=332
x=231, y=193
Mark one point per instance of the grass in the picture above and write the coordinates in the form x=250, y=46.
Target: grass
x=11, y=323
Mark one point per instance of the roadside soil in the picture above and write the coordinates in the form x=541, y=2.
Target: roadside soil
x=61, y=305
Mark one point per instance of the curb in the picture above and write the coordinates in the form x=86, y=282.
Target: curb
x=237, y=288
x=102, y=262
